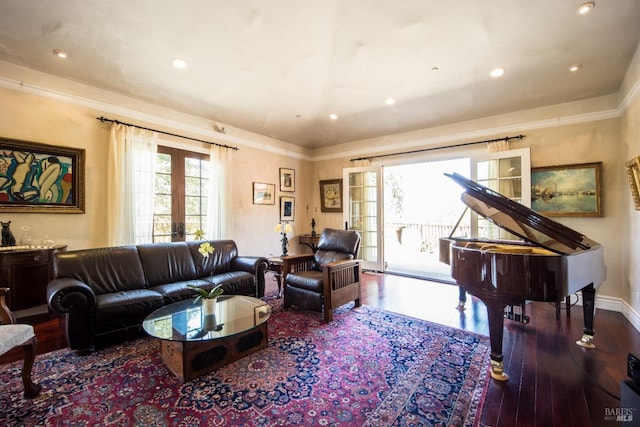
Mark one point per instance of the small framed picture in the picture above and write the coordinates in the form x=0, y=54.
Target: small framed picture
x=287, y=208
x=264, y=194
x=287, y=180
x=331, y=195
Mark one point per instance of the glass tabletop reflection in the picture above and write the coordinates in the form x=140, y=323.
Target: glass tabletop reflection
x=187, y=321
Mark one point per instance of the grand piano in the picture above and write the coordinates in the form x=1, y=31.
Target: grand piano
x=550, y=263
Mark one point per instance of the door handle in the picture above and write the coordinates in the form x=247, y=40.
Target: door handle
x=181, y=229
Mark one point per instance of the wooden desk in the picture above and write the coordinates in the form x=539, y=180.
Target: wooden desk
x=310, y=241
x=275, y=265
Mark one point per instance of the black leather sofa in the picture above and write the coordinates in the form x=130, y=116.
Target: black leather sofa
x=102, y=294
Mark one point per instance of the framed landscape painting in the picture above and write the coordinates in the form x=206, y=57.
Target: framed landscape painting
x=264, y=194
x=567, y=190
x=37, y=177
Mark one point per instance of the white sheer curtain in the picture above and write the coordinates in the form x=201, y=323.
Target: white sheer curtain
x=220, y=204
x=130, y=188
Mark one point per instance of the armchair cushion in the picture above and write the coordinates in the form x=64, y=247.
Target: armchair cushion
x=309, y=280
x=14, y=335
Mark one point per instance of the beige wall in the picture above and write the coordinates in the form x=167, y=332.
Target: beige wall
x=630, y=218
x=48, y=121
x=580, y=143
x=37, y=119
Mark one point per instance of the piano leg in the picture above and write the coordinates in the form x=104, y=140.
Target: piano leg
x=495, y=314
x=588, y=307
x=462, y=298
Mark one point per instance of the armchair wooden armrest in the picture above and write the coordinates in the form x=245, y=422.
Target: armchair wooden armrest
x=292, y=263
x=6, y=316
x=341, y=284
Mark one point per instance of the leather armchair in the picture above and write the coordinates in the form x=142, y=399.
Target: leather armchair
x=327, y=279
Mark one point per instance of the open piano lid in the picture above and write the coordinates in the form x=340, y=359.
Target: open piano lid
x=520, y=220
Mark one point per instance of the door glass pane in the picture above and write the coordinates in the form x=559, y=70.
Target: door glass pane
x=184, y=173
x=505, y=177
x=195, y=180
x=162, y=222
x=363, y=215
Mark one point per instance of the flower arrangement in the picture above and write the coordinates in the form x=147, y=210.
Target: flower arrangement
x=205, y=249
x=283, y=228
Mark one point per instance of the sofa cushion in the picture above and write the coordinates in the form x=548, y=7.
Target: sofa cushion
x=105, y=270
x=167, y=263
x=235, y=282
x=178, y=291
x=119, y=307
x=224, y=252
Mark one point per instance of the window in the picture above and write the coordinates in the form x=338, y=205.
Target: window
x=181, y=189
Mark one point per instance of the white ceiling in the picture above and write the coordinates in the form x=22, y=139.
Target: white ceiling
x=279, y=67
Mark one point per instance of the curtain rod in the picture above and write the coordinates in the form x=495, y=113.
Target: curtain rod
x=506, y=139
x=103, y=119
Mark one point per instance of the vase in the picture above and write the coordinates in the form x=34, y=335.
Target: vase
x=209, y=323
x=209, y=306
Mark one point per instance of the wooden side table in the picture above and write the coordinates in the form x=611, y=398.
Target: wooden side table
x=275, y=265
x=309, y=240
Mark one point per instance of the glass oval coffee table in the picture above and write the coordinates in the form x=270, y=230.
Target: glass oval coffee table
x=194, y=342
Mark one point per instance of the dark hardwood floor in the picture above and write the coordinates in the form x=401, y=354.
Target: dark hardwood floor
x=552, y=381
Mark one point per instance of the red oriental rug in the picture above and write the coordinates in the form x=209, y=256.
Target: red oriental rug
x=368, y=367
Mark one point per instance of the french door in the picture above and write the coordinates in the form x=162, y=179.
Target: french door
x=363, y=212
x=181, y=189
x=507, y=172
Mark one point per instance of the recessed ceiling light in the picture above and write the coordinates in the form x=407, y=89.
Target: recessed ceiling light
x=497, y=72
x=60, y=53
x=179, y=63
x=389, y=101
x=586, y=8
x=333, y=116
x=575, y=67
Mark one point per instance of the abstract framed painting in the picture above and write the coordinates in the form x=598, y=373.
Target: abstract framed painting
x=38, y=177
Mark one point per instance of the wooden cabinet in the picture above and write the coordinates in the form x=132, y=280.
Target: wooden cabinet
x=26, y=271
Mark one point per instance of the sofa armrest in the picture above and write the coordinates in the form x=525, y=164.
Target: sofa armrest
x=254, y=265
x=75, y=302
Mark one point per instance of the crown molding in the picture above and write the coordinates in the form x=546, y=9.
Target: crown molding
x=271, y=145
x=246, y=138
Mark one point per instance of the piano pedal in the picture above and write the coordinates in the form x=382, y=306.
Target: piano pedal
x=516, y=313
